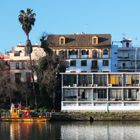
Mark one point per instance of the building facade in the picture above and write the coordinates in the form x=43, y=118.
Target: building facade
x=20, y=69
x=100, y=76
x=128, y=57
x=100, y=91
x=83, y=52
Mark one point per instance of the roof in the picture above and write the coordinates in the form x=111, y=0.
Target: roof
x=79, y=40
x=24, y=46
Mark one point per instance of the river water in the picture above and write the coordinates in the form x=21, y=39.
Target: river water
x=70, y=131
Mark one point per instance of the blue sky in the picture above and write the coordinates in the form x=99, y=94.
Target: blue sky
x=117, y=17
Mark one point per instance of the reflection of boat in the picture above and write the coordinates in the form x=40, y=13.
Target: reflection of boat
x=22, y=119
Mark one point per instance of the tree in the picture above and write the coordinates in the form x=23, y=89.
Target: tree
x=27, y=20
x=49, y=78
x=7, y=85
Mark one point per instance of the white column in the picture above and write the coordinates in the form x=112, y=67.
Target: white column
x=122, y=89
x=67, y=54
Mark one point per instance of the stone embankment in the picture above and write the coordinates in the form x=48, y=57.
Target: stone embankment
x=96, y=116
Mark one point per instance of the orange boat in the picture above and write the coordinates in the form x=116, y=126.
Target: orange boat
x=19, y=115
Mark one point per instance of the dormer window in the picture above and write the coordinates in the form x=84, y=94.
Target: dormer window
x=61, y=40
x=94, y=40
x=127, y=44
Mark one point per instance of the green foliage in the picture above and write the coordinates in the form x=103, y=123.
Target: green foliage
x=49, y=79
x=44, y=44
x=27, y=20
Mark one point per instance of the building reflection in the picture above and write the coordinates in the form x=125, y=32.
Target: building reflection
x=101, y=130
x=71, y=131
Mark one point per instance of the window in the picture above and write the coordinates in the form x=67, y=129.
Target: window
x=17, y=77
x=69, y=80
x=94, y=40
x=61, y=40
x=84, y=52
x=73, y=52
x=102, y=93
x=127, y=44
x=105, y=63
x=28, y=77
x=115, y=94
x=105, y=52
x=17, y=53
x=94, y=64
x=17, y=65
x=95, y=54
x=84, y=63
x=73, y=63
x=23, y=65
x=84, y=80
x=100, y=80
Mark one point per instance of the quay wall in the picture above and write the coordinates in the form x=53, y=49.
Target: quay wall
x=96, y=116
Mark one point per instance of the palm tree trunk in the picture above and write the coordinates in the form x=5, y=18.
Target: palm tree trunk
x=32, y=75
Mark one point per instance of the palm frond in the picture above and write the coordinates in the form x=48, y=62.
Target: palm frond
x=27, y=20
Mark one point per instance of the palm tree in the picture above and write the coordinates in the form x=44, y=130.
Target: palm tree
x=27, y=20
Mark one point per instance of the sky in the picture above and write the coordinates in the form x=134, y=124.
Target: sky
x=120, y=18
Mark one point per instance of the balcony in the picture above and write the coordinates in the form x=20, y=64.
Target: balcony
x=123, y=57
x=73, y=56
x=70, y=98
x=105, y=56
x=84, y=56
x=132, y=68
x=94, y=68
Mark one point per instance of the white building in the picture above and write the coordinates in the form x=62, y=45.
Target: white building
x=100, y=75
x=128, y=57
x=100, y=91
x=20, y=69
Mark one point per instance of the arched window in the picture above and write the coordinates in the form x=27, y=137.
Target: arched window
x=94, y=40
x=85, y=52
x=61, y=40
x=105, y=52
x=73, y=52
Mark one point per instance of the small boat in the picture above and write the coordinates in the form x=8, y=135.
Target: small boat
x=24, y=115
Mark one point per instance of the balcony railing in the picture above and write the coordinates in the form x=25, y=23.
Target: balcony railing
x=94, y=68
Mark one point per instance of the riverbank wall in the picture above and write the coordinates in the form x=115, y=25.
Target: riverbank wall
x=96, y=116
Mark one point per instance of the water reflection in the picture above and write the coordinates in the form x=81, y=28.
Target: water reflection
x=101, y=131
x=70, y=131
